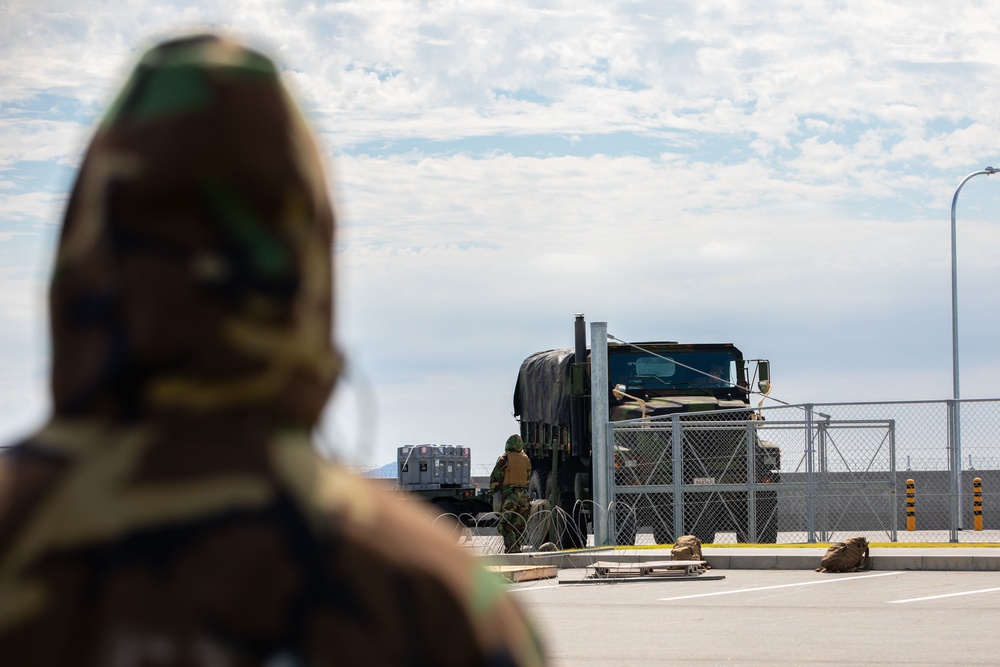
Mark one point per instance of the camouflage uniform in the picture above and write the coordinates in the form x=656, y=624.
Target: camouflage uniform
x=510, y=476
x=173, y=510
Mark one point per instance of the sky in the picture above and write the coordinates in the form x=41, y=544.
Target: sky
x=776, y=175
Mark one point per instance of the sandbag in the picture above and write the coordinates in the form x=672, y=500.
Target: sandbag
x=687, y=547
x=848, y=556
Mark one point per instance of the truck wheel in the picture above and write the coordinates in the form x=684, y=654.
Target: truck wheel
x=538, y=485
x=570, y=522
x=448, y=506
x=576, y=535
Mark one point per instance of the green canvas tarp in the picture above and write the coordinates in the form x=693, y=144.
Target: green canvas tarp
x=542, y=393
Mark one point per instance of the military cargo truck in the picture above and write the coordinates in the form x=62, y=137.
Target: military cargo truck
x=653, y=379
x=442, y=476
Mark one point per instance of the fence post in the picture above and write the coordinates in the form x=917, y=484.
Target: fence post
x=752, y=484
x=676, y=441
x=893, y=536
x=911, y=506
x=960, y=523
x=954, y=471
x=602, y=459
x=977, y=504
x=810, y=477
x=822, y=492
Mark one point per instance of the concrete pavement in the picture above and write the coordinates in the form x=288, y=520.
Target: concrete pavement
x=931, y=558
x=763, y=618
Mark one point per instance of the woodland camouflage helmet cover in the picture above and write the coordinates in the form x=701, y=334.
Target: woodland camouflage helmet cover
x=193, y=271
x=514, y=444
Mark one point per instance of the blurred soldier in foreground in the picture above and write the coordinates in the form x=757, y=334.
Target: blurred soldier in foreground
x=510, y=476
x=173, y=511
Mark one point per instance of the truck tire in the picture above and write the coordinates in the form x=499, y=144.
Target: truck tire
x=448, y=506
x=575, y=536
x=538, y=485
x=570, y=523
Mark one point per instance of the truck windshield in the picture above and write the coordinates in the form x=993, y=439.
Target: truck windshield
x=674, y=370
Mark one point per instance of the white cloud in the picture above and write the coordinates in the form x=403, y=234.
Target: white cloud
x=40, y=141
x=777, y=175
x=32, y=206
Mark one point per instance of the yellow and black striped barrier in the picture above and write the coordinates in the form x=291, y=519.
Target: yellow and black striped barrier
x=977, y=504
x=911, y=511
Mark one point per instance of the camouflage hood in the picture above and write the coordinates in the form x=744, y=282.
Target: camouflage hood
x=191, y=307
x=514, y=444
x=193, y=273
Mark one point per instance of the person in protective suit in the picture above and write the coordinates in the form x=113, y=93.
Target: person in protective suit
x=510, y=476
x=173, y=511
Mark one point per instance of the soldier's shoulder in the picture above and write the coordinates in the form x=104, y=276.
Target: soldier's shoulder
x=389, y=540
x=27, y=472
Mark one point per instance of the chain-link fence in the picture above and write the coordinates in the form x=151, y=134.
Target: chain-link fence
x=809, y=473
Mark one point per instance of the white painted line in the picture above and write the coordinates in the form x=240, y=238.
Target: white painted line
x=946, y=595
x=768, y=588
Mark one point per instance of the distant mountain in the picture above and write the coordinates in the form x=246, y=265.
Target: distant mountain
x=388, y=471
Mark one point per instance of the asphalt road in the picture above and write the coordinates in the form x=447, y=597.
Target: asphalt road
x=770, y=617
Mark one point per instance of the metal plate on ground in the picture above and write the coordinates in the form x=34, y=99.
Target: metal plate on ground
x=674, y=569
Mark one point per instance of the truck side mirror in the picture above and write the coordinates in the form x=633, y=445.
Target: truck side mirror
x=764, y=376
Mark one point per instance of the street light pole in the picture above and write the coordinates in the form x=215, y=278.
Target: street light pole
x=956, y=430
x=956, y=392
